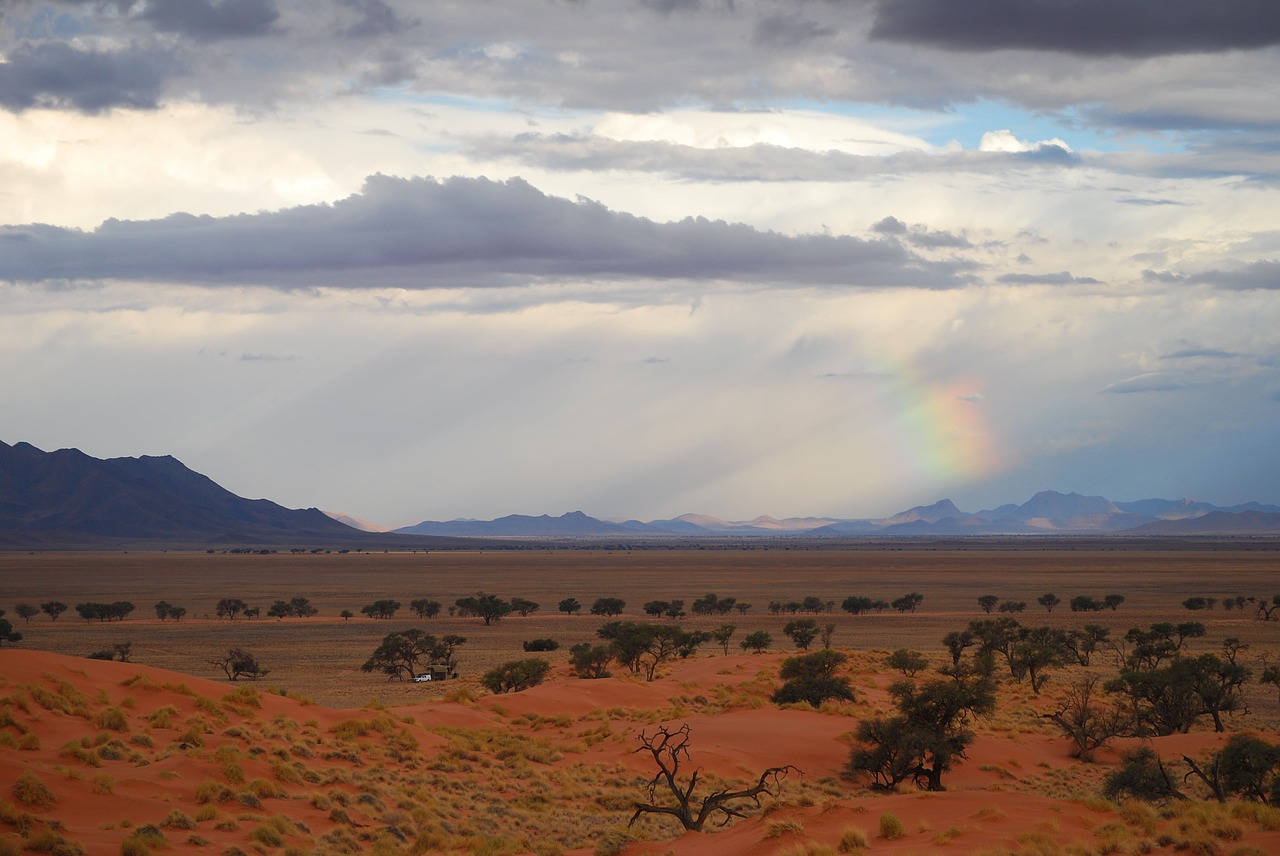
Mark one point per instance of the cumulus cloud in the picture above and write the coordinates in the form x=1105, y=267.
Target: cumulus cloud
x=920, y=236
x=1005, y=141
x=1091, y=27
x=60, y=76
x=422, y=233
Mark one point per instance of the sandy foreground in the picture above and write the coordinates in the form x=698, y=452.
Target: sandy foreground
x=110, y=757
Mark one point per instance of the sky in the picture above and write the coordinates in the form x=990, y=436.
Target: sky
x=427, y=260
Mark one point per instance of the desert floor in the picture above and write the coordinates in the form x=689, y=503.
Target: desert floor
x=321, y=757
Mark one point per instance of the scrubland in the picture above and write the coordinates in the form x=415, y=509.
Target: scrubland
x=320, y=757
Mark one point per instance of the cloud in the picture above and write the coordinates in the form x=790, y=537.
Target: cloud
x=208, y=20
x=1201, y=353
x=1263, y=275
x=920, y=236
x=376, y=18
x=1149, y=382
x=422, y=233
x=754, y=162
x=1148, y=201
x=789, y=31
x=59, y=76
x=1059, y=278
x=1135, y=28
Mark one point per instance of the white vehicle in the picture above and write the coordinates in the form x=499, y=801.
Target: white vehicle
x=421, y=679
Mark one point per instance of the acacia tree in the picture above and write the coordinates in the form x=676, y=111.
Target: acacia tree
x=722, y=634
x=26, y=611
x=301, y=607
x=424, y=608
x=239, y=663
x=756, y=641
x=524, y=606
x=53, y=608
x=230, y=607
x=670, y=750
x=384, y=608
x=489, y=607
x=908, y=602
x=569, y=606
x=929, y=733
x=590, y=661
x=812, y=678
x=802, y=632
x=608, y=606
x=7, y=633
x=956, y=642
x=642, y=648
x=1247, y=766
x=1048, y=600
x=400, y=654
x=988, y=602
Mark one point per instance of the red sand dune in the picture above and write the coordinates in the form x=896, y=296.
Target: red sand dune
x=120, y=746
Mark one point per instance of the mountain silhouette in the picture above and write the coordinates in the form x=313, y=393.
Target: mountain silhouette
x=67, y=498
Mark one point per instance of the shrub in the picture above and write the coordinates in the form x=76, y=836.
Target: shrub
x=516, y=675
x=1141, y=775
x=535, y=645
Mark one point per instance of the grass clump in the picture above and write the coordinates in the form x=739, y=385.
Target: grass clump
x=33, y=793
x=779, y=828
x=178, y=819
x=112, y=719
x=143, y=841
x=853, y=840
x=891, y=827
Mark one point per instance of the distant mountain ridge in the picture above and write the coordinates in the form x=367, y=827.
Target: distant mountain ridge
x=1046, y=513
x=67, y=498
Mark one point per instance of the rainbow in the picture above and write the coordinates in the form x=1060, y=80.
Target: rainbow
x=942, y=429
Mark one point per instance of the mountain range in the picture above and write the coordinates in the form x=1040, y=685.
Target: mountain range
x=67, y=499
x=1046, y=513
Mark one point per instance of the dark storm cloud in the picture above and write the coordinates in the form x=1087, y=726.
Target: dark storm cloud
x=207, y=20
x=1261, y=275
x=57, y=75
x=1137, y=28
x=420, y=233
x=788, y=31
x=376, y=18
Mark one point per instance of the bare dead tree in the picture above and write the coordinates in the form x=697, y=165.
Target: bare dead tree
x=1088, y=723
x=669, y=749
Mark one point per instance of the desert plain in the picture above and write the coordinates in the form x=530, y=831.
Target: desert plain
x=163, y=754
